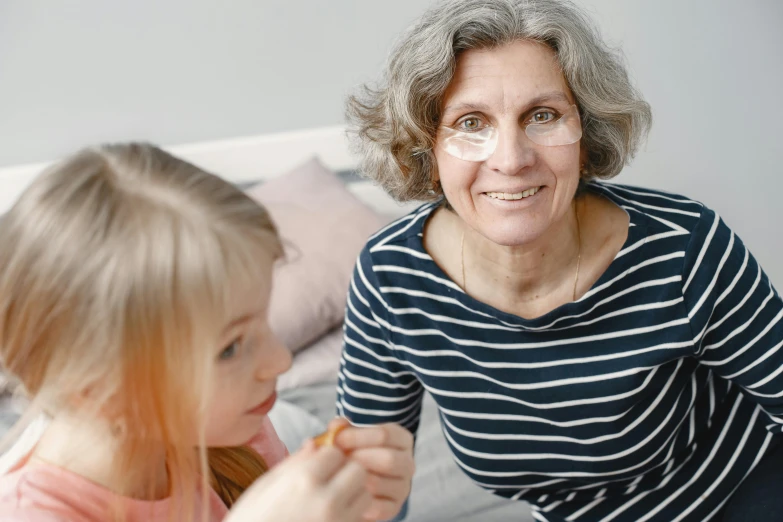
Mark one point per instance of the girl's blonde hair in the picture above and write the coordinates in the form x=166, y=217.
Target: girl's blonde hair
x=115, y=266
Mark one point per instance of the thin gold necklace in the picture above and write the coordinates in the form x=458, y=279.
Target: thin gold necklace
x=578, y=254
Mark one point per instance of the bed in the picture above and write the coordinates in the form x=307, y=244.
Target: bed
x=325, y=231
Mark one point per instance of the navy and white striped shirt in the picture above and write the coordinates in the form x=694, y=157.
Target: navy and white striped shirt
x=649, y=398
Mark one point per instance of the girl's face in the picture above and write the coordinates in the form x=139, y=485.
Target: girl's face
x=247, y=361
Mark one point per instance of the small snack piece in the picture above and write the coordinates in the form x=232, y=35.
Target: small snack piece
x=327, y=438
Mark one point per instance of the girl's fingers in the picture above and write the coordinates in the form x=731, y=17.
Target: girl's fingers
x=388, y=488
x=324, y=463
x=386, y=462
x=337, y=422
x=358, y=508
x=348, y=484
x=302, y=454
x=381, y=436
x=381, y=509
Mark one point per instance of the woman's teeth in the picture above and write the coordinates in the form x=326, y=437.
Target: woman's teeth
x=516, y=195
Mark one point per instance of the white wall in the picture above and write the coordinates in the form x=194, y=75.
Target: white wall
x=188, y=70
x=713, y=73
x=175, y=71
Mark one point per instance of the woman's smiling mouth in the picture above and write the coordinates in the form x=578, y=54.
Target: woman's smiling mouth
x=513, y=195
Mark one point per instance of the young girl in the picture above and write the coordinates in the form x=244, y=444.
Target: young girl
x=133, y=297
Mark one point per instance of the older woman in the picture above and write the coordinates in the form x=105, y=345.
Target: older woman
x=600, y=351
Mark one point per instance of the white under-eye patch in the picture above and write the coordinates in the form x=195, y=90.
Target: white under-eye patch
x=480, y=144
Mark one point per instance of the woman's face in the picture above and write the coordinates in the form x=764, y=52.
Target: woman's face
x=515, y=195
x=248, y=359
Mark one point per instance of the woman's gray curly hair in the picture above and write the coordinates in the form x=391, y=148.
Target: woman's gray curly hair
x=394, y=126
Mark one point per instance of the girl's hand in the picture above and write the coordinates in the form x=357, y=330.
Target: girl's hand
x=386, y=452
x=313, y=485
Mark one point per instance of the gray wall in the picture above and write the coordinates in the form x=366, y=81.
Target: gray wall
x=188, y=70
x=713, y=72
x=176, y=71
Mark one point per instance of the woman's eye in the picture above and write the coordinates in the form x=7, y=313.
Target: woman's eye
x=543, y=117
x=230, y=350
x=469, y=124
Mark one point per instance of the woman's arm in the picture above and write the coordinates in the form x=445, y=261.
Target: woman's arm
x=375, y=383
x=736, y=315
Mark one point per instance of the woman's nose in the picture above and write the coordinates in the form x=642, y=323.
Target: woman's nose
x=513, y=153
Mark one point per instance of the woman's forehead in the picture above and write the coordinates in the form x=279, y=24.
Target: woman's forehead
x=513, y=74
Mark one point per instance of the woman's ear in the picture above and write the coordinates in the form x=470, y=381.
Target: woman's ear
x=584, y=168
x=435, y=178
x=582, y=155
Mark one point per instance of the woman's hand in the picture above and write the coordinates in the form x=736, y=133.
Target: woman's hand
x=386, y=452
x=313, y=485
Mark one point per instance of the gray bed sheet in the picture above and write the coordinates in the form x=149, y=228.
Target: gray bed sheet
x=441, y=491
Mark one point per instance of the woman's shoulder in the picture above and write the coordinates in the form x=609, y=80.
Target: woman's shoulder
x=687, y=225
x=404, y=227
x=655, y=208
x=647, y=198
x=406, y=230
x=396, y=248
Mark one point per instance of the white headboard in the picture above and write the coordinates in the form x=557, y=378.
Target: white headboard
x=241, y=160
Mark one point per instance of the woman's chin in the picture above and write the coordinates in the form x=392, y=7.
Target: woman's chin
x=511, y=240
x=511, y=224
x=509, y=232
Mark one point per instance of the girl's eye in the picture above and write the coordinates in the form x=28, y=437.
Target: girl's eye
x=543, y=117
x=230, y=351
x=469, y=124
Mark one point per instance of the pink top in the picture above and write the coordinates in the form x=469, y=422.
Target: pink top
x=39, y=492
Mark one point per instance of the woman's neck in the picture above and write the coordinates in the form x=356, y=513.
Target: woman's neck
x=90, y=449
x=525, y=273
x=527, y=280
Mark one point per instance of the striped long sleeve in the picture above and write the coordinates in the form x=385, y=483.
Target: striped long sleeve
x=736, y=315
x=375, y=385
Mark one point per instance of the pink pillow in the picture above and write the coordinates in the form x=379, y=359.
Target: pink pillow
x=317, y=363
x=323, y=227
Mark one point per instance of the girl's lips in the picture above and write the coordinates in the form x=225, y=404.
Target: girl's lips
x=265, y=407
